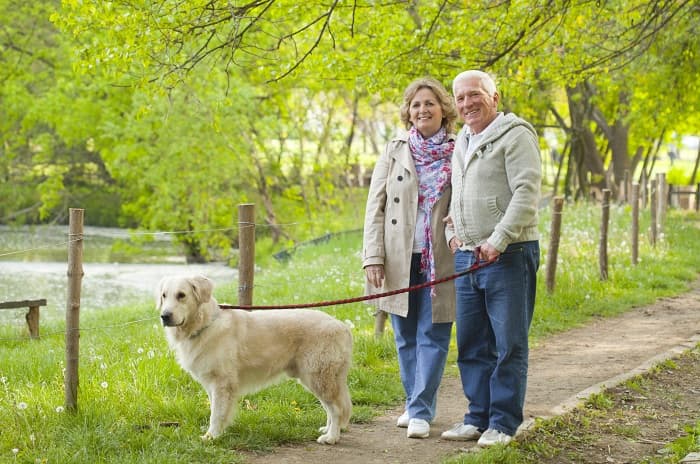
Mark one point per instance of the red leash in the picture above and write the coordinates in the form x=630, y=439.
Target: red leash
x=476, y=266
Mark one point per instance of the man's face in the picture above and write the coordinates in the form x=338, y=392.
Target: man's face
x=476, y=107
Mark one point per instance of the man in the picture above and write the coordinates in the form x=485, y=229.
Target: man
x=495, y=191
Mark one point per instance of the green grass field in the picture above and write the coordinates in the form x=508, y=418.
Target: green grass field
x=135, y=405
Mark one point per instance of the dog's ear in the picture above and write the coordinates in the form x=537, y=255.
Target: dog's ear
x=159, y=292
x=203, y=288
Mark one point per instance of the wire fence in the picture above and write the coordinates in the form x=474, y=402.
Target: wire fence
x=87, y=237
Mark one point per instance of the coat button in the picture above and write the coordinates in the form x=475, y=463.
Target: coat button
x=400, y=178
x=393, y=221
x=396, y=199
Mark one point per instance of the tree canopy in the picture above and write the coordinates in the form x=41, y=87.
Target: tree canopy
x=152, y=107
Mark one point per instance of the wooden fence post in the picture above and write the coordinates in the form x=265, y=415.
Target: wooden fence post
x=635, y=223
x=379, y=322
x=662, y=200
x=603, y=245
x=246, y=257
x=653, y=210
x=554, y=235
x=75, y=277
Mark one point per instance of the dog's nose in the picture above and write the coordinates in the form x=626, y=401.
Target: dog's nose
x=166, y=318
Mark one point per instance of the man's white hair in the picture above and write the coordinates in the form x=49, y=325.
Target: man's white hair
x=486, y=80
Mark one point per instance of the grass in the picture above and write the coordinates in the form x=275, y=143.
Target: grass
x=137, y=406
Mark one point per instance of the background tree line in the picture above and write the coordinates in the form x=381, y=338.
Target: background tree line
x=166, y=115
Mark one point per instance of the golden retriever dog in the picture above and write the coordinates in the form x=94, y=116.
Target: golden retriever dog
x=233, y=352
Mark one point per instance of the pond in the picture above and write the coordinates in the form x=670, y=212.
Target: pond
x=33, y=265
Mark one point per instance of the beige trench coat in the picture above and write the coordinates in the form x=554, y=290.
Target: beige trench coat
x=389, y=229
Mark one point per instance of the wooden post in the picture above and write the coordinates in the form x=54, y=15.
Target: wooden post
x=554, y=235
x=661, y=197
x=246, y=257
x=635, y=223
x=32, y=318
x=603, y=245
x=75, y=277
x=379, y=323
x=653, y=210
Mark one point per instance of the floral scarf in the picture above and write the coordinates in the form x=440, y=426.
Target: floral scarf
x=432, y=157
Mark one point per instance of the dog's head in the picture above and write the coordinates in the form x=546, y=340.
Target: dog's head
x=179, y=299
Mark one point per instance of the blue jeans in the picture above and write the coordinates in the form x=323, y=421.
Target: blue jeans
x=494, y=311
x=422, y=348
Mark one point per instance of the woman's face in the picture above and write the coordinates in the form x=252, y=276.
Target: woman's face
x=425, y=112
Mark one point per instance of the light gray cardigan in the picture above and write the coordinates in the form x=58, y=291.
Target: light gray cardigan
x=495, y=193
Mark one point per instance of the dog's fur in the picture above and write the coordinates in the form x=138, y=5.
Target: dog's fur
x=234, y=352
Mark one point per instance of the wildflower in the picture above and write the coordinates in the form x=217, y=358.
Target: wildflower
x=15, y=450
x=103, y=366
x=151, y=354
x=59, y=409
x=22, y=405
x=104, y=385
x=140, y=351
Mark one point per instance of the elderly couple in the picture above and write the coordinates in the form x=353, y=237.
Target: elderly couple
x=438, y=203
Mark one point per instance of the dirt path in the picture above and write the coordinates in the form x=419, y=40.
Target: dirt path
x=563, y=369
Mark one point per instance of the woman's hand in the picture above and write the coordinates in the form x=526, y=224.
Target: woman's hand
x=375, y=274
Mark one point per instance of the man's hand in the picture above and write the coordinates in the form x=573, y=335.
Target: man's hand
x=455, y=243
x=488, y=252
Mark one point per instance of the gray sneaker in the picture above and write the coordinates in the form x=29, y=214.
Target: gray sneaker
x=494, y=437
x=462, y=432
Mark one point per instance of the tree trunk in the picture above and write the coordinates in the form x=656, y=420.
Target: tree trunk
x=583, y=146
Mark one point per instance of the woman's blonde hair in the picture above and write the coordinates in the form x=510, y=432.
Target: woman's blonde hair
x=449, y=113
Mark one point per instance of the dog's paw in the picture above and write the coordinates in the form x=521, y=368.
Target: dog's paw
x=207, y=437
x=323, y=429
x=328, y=439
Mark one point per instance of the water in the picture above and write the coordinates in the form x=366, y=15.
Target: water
x=103, y=285
x=29, y=269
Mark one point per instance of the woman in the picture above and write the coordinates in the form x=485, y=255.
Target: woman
x=405, y=245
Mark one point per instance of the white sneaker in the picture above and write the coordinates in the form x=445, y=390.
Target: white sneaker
x=494, y=437
x=418, y=428
x=461, y=432
x=402, y=421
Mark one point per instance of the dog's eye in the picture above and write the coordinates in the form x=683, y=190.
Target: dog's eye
x=163, y=295
x=180, y=295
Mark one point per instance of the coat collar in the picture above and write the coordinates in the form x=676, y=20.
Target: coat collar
x=402, y=153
